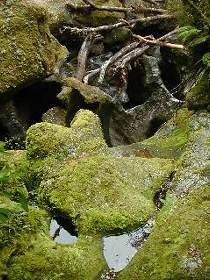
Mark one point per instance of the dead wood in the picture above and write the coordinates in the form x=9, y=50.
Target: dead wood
x=83, y=55
x=86, y=30
x=159, y=43
x=138, y=8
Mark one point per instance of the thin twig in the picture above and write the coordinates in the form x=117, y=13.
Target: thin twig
x=159, y=43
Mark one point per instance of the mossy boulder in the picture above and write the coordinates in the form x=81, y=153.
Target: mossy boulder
x=55, y=115
x=178, y=246
x=13, y=174
x=168, y=142
x=104, y=194
x=28, y=50
x=80, y=178
x=56, y=11
x=27, y=251
x=194, y=165
x=118, y=36
x=83, y=138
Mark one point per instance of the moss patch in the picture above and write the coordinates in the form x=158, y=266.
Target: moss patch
x=83, y=138
x=168, y=142
x=105, y=194
x=178, y=245
x=199, y=96
x=27, y=251
x=28, y=50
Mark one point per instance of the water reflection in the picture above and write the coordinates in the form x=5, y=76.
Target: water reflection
x=60, y=235
x=119, y=250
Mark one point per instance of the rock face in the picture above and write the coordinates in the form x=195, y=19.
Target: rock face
x=67, y=166
x=28, y=50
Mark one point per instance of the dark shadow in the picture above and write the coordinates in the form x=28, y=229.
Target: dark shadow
x=33, y=101
x=155, y=124
x=136, y=91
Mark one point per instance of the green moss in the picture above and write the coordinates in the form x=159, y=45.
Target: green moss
x=96, y=18
x=105, y=194
x=15, y=167
x=27, y=251
x=178, y=245
x=118, y=35
x=84, y=137
x=28, y=50
x=48, y=261
x=91, y=94
x=168, y=142
x=199, y=96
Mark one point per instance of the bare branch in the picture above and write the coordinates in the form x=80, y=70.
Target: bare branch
x=83, y=55
x=123, y=9
x=115, y=57
x=91, y=74
x=159, y=43
x=87, y=30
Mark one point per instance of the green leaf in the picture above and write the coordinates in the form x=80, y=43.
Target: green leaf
x=199, y=41
x=187, y=33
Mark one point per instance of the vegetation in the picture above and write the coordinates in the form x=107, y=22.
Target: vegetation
x=194, y=19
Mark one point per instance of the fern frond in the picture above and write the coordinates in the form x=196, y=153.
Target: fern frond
x=198, y=41
x=187, y=33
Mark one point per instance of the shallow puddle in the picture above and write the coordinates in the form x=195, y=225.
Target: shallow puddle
x=119, y=250
x=61, y=235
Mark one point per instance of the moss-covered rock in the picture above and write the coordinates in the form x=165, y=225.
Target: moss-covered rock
x=199, y=96
x=27, y=251
x=117, y=36
x=106, y=194
x=194, y=165
x=14, y=170
x=28, y=50
x=178, y=245
x=48, y=261
x=91, y=94
x=102, y=193
x=168, y=142
x=85, y=137
x=56, y=11
x=97, y=17
x=55, y=115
